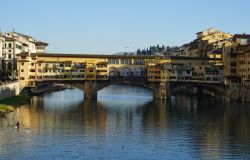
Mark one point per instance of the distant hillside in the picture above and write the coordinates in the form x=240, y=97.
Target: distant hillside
x=157, y=50
x=125, y=53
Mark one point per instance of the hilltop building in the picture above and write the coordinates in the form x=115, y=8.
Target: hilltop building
x=206, y=43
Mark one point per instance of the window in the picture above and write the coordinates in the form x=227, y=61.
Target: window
x=81, y=70
x=32, y=64
x=22, y=78
x=19, y=46
x=9, y=51
x=9, y=56
x=113, y=61
x=10, y=45
x=22, y=70
x=233, y=64
x=232, y=50
x=22, y=63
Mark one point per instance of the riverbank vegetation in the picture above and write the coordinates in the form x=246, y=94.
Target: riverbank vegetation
x=5, y=109
x=9, y=104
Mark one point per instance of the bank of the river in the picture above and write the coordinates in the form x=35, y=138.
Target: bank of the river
x=9, y=104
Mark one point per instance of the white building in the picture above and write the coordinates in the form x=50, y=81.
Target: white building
x=16, y=43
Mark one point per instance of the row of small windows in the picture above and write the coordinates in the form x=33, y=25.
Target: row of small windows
x=60, y=70
x=157, y=72
x=154, y=77
x=9, y=45
x=183, y=78
x=126, y=61
x=244, y=70
x=244, y=62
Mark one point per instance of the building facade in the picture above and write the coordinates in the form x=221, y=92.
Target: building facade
x=15, y=44
x=2, y=39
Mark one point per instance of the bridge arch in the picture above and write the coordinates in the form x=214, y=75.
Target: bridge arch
x=138, y=72
x=113, y=72
x=125, y=72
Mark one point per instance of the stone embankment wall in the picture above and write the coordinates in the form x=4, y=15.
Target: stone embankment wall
x=9, y=90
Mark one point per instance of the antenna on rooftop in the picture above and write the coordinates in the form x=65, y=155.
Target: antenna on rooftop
x=13, y=30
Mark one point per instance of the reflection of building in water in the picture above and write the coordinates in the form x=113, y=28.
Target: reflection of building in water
x=95, y=117
x=155, y=116
x=6, y=129
x=216, y=125
x=30, y=114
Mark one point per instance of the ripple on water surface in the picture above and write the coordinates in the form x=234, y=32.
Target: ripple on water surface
x=125, y=123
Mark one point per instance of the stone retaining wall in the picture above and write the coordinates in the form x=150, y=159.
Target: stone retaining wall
x=9, y=90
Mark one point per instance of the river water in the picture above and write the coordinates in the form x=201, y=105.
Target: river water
x=125, y=123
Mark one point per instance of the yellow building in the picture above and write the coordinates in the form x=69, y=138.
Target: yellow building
x=154, y=72
x=102, y=71
x=207, y=41
x=155, y=69
x=193, y=69
x=243, y=65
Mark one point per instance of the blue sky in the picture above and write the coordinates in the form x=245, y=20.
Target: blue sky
x=109, y=26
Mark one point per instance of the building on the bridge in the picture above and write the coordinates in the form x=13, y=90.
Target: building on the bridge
x=155, y=69
x=38, y=67
x=243, y=70
x=102, y=71
x=243, y=63
x=231, y=51
x=17, y=43
x=189, y=69
x=154, y=72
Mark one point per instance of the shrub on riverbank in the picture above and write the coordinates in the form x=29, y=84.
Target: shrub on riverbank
x=16, y=100
x=7, y=105
x=5, y=109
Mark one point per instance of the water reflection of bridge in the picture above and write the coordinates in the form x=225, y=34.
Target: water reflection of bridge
x=206, y=124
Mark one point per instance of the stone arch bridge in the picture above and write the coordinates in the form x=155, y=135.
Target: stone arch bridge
x=160, y=90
